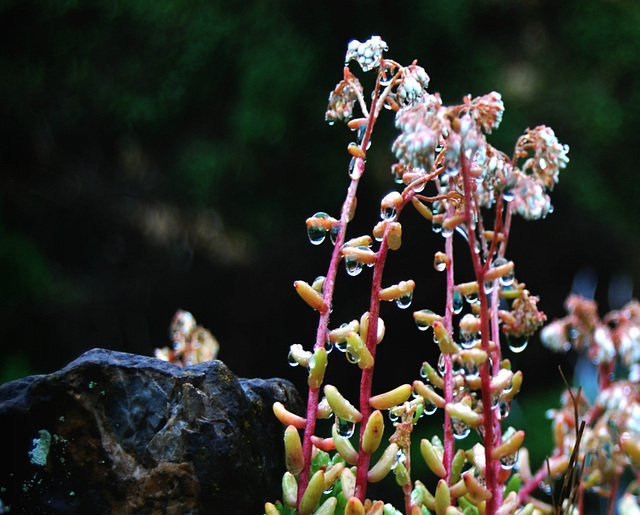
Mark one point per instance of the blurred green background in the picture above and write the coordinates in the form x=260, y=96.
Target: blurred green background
x=163, y=155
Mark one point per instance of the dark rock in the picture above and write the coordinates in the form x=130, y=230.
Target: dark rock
x=121, y=433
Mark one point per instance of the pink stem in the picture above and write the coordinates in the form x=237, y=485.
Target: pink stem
x=491, y=465
x=449, y=440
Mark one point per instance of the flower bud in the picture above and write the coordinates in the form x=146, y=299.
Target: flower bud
x=516, y=384
x=422, y=208
x=289, y=490
x=458, y=489
x=358, y=347
x=341, y=407
x=476, y=491
x=360, y=241
x=344, y=447
x=324, y=409
x=287, y=418
x=379, y=471
x=467, y=288
x=332, y=474
x=363, y=255
x=293, y=450
x=324, y=444
x=442, y=336
x=391, y=398
x=354, y=507
x=428, y=394
x=433, y=458
x=328, y=507
x=364, y=327
x=443, y=497
x=462, y=411
x=498, y=271
x=397, y=290
x=299, y=356
x=317, y=366
x=355, y=150
x=457, y=463
x=348, y=482
x=339, y=334
x=508, y=446
x=394, y=235
x=509, y=504
x=311, y=296
x=270, y=509
x=432, y=376
x=312, y=494
x=501, y=381
x=373, y=432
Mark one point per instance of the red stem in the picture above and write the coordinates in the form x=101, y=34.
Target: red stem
x=449, y=440
x=329, y=284
x=489, y=419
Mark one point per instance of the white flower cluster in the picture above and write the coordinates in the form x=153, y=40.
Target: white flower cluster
x=368, y=54
x=417, y=141
x=414, y=82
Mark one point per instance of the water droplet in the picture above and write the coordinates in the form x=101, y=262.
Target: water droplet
x=400, y=459
x=388, y=213
x=345, y=428
x=545, y=487
x=505, y=409
x=457, y=303
x=460, y=429
x=333, y=234
x=517, y=343
x=393, y=416
x=488, y=287
x=405, y=300
x=420, y=324
x=508, y=462
x=353, y=266
x=441, y=364
x=423, y=371
x=341, y=345
x=292, y=360
x=462, y=231
x=469, y=339
x=471, y=370
x=440, y=261
x=436, y=226
x=472, y=298
x=328, y=345
x=352, y=356
x=446, y=232
x=429, y=409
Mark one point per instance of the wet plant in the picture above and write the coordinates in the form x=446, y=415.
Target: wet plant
x=468, y=191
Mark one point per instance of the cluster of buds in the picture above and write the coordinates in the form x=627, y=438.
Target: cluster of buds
x=192, y=343
x=367, y=54
x=609, y=443
x=343, y=98
x=616, y=336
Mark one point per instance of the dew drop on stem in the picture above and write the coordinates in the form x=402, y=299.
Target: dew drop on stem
x=316, y=234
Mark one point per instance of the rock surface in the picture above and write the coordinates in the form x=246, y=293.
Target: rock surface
x=121, y=433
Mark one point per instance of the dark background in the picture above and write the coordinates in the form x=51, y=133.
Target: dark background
x=157, y=155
